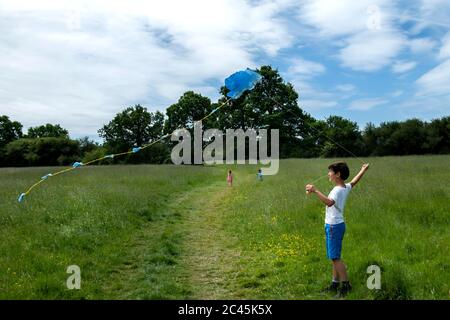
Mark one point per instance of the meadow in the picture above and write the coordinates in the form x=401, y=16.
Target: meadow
x=179, y=232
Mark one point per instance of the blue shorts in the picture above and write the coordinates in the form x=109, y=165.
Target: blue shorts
x=334, y=234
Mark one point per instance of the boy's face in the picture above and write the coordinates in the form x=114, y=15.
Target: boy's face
x=332, y=176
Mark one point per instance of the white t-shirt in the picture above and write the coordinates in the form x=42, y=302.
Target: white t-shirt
x=335, y=213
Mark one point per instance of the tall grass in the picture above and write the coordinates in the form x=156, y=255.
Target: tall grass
x=125, y=226
x=92, y=218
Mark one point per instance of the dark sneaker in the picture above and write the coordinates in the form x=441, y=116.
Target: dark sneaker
x=332, y=288
x=343, y=290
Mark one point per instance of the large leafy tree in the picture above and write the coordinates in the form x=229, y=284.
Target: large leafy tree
x=87, y=145
x=343, y=138
x=9, y=130
x=48, y=130
x=189, y=108
x=410, y=138
x=134, y=126
x=380, y=138
x=273, y=104
x=438, y=136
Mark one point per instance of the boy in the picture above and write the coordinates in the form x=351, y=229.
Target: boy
x=334, y=221
x=259, y=175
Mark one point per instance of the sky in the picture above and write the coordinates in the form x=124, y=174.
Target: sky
x=78, y=63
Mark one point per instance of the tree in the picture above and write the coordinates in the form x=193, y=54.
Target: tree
x=438, y=136
x=410, y=138
x=48, y=130
x=190, y=108
x=87, y=145
x=134, y=126
x=9, y=131
x=312, y=141
x=272, y=104
x=343, y=138
x=370, y=139
x=384, y=144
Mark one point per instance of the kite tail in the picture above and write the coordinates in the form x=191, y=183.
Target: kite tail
x=109, y=156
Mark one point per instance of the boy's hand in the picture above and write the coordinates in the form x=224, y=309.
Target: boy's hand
x=310, y=188
x=365, y=167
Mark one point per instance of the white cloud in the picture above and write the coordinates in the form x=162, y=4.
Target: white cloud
x=444, y=52
x=421, y=45
x=425, y=107
x=397, y=93
x=314, y=105
x=366, y=104
x=425, y=14
x=312, y=99
x=304, y=68
x=364, y=30
x=403, y=66
x=80, y=72
x=436, y=81
x=345, y=17
x=434, y=13
x=346, y=87
x=308, y=91
x=434, y=85
x=371, y=50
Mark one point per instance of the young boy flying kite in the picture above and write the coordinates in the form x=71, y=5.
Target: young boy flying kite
x=334, y=221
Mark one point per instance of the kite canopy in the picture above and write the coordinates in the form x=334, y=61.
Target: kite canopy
x=241, y=81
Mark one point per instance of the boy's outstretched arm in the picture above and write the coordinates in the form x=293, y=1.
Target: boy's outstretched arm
x=311, y=189
x=361, y=172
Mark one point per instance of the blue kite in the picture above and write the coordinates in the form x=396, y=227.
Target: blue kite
x=240, y=82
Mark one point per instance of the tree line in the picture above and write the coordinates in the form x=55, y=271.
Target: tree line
x=272, y=104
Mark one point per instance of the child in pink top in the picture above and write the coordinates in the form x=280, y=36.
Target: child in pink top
x=230, y=178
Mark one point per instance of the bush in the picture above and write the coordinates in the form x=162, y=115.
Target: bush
x=96, y=154
x=157, y=153
x=42, y=152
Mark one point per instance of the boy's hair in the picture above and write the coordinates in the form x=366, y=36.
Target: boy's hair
x=340, y=167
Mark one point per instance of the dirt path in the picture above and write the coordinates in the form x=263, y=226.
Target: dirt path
x=207, y=259
x=209, y=255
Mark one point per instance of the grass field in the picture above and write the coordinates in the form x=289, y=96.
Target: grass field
x=175, y=232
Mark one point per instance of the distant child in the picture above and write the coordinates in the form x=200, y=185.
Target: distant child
x=259, y=175
x=334, y=221
x=230, y=178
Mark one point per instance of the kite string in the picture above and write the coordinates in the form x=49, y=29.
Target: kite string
x=318, y=179
x=118, y=154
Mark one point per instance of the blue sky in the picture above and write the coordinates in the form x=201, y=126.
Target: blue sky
x=78, y=63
